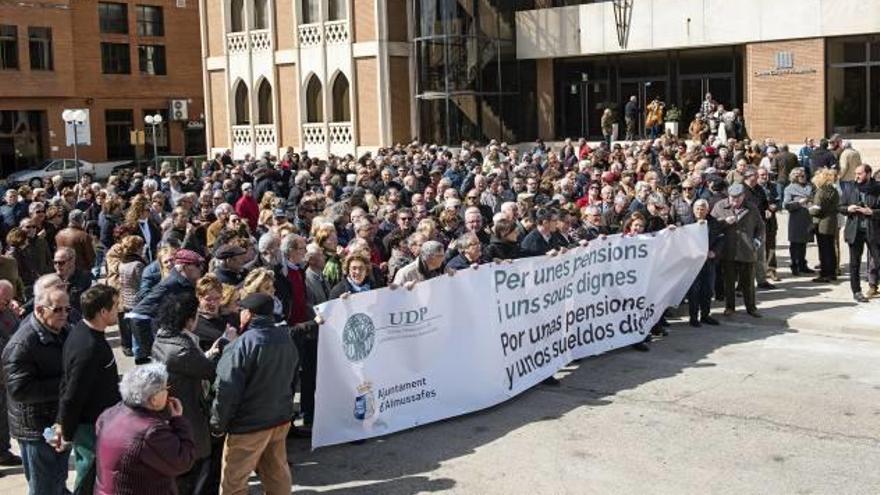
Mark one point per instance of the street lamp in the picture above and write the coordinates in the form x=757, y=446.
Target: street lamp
x=154, y=120
x=75, y=118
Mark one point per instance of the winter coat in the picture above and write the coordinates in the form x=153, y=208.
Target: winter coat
x=141, y=451
x=130, y=272
x=170, y=286
x=739, y=237
x=32, y=364
x=800, y=224
x=188, y=369
x=255, y=379
x=827, y=199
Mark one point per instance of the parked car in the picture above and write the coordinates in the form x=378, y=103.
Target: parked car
x=66, y=168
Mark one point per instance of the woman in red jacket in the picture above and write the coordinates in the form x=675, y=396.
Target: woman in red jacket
x=144, y=442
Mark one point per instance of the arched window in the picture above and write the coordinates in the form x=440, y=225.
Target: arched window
x=264, y=103
x=311, y=11
x=236, y=14
x=261, y=14
x=341, y=104
x=314, y=100
x=337, y=10
x=242, y=105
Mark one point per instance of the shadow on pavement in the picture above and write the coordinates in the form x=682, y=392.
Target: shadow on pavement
x=588, y=382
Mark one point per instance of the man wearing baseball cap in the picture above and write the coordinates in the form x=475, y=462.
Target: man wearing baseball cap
x=254, y=401
x=743, y=230
x=181, y=279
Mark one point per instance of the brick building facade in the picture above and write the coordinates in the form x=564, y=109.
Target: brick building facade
x=120, y=60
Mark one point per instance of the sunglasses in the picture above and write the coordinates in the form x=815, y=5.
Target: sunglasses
x=60, y=262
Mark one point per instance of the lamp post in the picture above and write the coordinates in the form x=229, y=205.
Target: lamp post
x=154, y=120
x=75, y=118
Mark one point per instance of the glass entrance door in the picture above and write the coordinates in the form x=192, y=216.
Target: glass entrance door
x=645, y=90
x=694, y=88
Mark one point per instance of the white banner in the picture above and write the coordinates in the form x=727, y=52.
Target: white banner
x=392, y=360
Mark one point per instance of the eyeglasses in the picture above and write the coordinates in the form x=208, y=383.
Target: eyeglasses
x=687, y=188
x=59, y=309
x=61, y=262
x=405, y=219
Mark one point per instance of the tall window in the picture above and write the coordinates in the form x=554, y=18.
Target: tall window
x=113, y=17
x=118, y=124
x=341, y=104
x=152, y=59
x=40, y=47
x=264, y=103
x=115, y=58
x=149, y=21
x=311, y=11
x=337, y=10
x=236, y=16
x=261, y=14
x=853, y=86
x=8, y=46
x=242, y=105
x=314, y=100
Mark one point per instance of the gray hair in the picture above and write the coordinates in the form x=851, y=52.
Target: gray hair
x=43, y=284
x=431, y=248
x=67, y=250
x=592, y=210
x=36, y=204
x=76, y=217
x=794, y=173
x=141, y=383
x=312, y=250
x=701, y=202
x=288, y=241
x=224, y=208
x=6, y=284
x=266, y=240
x=150, y=184
x=656, y=199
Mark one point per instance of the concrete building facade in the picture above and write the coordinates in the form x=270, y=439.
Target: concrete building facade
x=119, y=60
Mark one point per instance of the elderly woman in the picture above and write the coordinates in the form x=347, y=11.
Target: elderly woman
x=211, y=322
x=326, y=238
x=189, y=369
x=262, y=280
x=144, y=442
x=826, y=199
x=357, y=270
x=797, y=198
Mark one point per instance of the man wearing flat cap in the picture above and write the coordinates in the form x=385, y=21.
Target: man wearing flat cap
x=254, y=401
x=743, y=229
x=230, y=264
x=186, y=270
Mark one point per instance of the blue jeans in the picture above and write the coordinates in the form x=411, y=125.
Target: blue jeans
x=45, y=469
x=141, y=337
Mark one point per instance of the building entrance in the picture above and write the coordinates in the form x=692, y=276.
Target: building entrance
x=645, y=90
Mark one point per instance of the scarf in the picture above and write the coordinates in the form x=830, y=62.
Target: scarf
x=359, y=288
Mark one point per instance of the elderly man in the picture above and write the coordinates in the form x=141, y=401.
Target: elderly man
x=743, y=230
x=700, y=293
x=76, y=278
x=428, y=265
x=757, y=197
x=10, y=314
x=230, y=264
x=32, y=365
x=222, y=212
x=37, y=250
x=12, y=211
x=254, y=400
x=185, y=271
x=75, y=236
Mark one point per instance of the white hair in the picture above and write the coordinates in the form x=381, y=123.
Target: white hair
x=431, y=248
x=266, y=240
x=150, y=184
x=141, y=383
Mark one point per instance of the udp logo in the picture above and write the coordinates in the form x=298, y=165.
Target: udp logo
x=358, y=337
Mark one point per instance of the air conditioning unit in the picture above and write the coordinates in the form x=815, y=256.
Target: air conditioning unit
x=179, y=110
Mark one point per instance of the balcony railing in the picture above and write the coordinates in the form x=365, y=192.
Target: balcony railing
x=336, y=32
x=261, y=40
x=309, y=35
x=313, y=134
x=264, y=135
x=241, y=135
x=340, y=133
x=236, y=43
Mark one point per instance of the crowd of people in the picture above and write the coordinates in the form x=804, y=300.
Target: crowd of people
x=212, y=274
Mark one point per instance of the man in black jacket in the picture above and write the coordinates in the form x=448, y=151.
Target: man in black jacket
x=32, y=365
x=540, y=240
x=186, y=271
x=90, y=381
x=859, y=202
x=254, y=401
